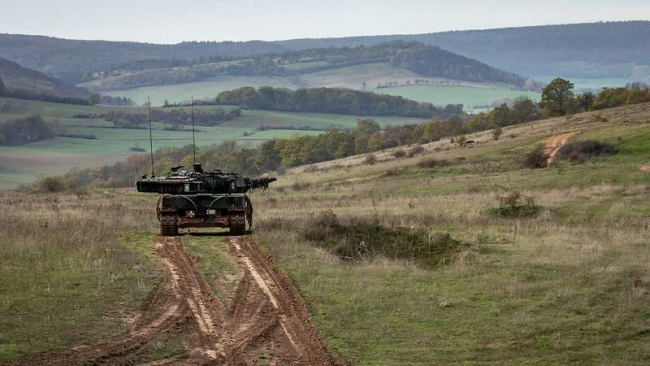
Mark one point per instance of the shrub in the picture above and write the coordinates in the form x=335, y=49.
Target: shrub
x=580, y=151
x=431, y=163
x=516, y=205
x=370, y=159
x=536, y=159
x=398, y=154
x=50, y=184
x=358, y=239
x=136, y=149
x=298, y=186
x=496, y=134
x=417, y=150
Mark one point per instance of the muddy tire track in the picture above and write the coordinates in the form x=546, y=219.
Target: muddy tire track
x=554, y=144
x=265, y=321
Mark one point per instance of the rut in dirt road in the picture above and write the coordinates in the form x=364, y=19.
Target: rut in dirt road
x=266, y=317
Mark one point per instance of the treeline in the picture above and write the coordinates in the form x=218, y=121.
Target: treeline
x=212, y=117
x=116, y=101
x=334, y=100
x=24, y=130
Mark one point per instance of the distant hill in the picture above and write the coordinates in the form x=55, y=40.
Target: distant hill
x=31, y=82
x=594, y=50
x=396, y=61
x=73, y=59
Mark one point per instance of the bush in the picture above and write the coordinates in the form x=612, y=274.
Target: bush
x=417, y=150
x=582, y=150
x=516, y=205
x=370, y=159
x=50, y=185
x=298, y=186
x=358, y=239
x=136, y=149
x=536, y=159
x=398, y=154
x=431, y=163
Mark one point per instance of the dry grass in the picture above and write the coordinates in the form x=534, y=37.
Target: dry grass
x=569, y=286
x=68, y=275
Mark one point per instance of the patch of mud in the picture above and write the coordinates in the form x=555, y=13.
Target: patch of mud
x=554, y=144
x=265, y=319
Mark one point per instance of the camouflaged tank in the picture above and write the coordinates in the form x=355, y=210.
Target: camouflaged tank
x=199, y=199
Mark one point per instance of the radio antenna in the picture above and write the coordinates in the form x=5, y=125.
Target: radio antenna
x=153, y=174
x=193, y=138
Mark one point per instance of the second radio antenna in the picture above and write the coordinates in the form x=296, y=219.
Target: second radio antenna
x=193, y=139
x=153, y=174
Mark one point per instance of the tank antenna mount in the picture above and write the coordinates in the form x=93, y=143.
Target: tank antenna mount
x=193, y=138
x=153, y=174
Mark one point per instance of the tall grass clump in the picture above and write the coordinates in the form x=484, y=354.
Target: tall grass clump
x=359, y=239
x=580, y=151
x=536, y=159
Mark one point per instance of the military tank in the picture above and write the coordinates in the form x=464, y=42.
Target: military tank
x=199, y=199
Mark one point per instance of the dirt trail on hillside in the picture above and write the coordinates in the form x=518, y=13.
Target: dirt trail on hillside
x=554, y=144
x=265, y=322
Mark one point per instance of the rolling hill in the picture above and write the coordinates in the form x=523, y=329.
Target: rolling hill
x=593, y=50
x=18, y=78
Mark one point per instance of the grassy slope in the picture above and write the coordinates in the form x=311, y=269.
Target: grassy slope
x=570, y=288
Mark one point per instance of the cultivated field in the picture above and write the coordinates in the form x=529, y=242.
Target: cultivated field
x=406, y=261
x=22, y=164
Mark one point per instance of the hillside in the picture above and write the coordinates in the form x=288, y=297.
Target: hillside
x=420, y=60
x=416, y=260
x=16, y=77
x=594, y=50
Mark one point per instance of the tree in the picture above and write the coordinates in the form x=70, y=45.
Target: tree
x=558, y=98
x=496, y=134
x=366, y=127
x=524, y=110
x=502, y=116
x=2, y=87
x=95, y=99
x=586, y=101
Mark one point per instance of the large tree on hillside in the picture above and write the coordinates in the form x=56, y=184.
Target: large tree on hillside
x=558, y=98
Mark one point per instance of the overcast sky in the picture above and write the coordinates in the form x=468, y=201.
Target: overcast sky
x=172, y=21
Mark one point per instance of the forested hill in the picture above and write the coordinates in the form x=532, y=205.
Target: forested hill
x=613, y=49
x=424, y=61
x=18, y=79
x=606, y=49
x=65, y=58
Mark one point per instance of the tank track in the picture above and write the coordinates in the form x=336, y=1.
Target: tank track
x=168, y=225
x=237, y=225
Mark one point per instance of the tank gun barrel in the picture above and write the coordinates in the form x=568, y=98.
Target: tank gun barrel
x=262, y=183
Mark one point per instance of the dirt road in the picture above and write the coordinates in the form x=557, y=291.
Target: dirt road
x=554, y=144
x=265, y=322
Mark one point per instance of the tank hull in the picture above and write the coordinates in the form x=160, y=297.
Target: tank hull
x=179, y=211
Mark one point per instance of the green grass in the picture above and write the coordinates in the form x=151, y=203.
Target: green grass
x=60, y=264
x=469, y=96
x=568, y=286
x=208, y=89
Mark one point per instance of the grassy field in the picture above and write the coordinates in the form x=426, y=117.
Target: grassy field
x=59, y=263
x=353, y=77
x=568, y=286
x=469, y=96
x=22, y=164
x=208, y=89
